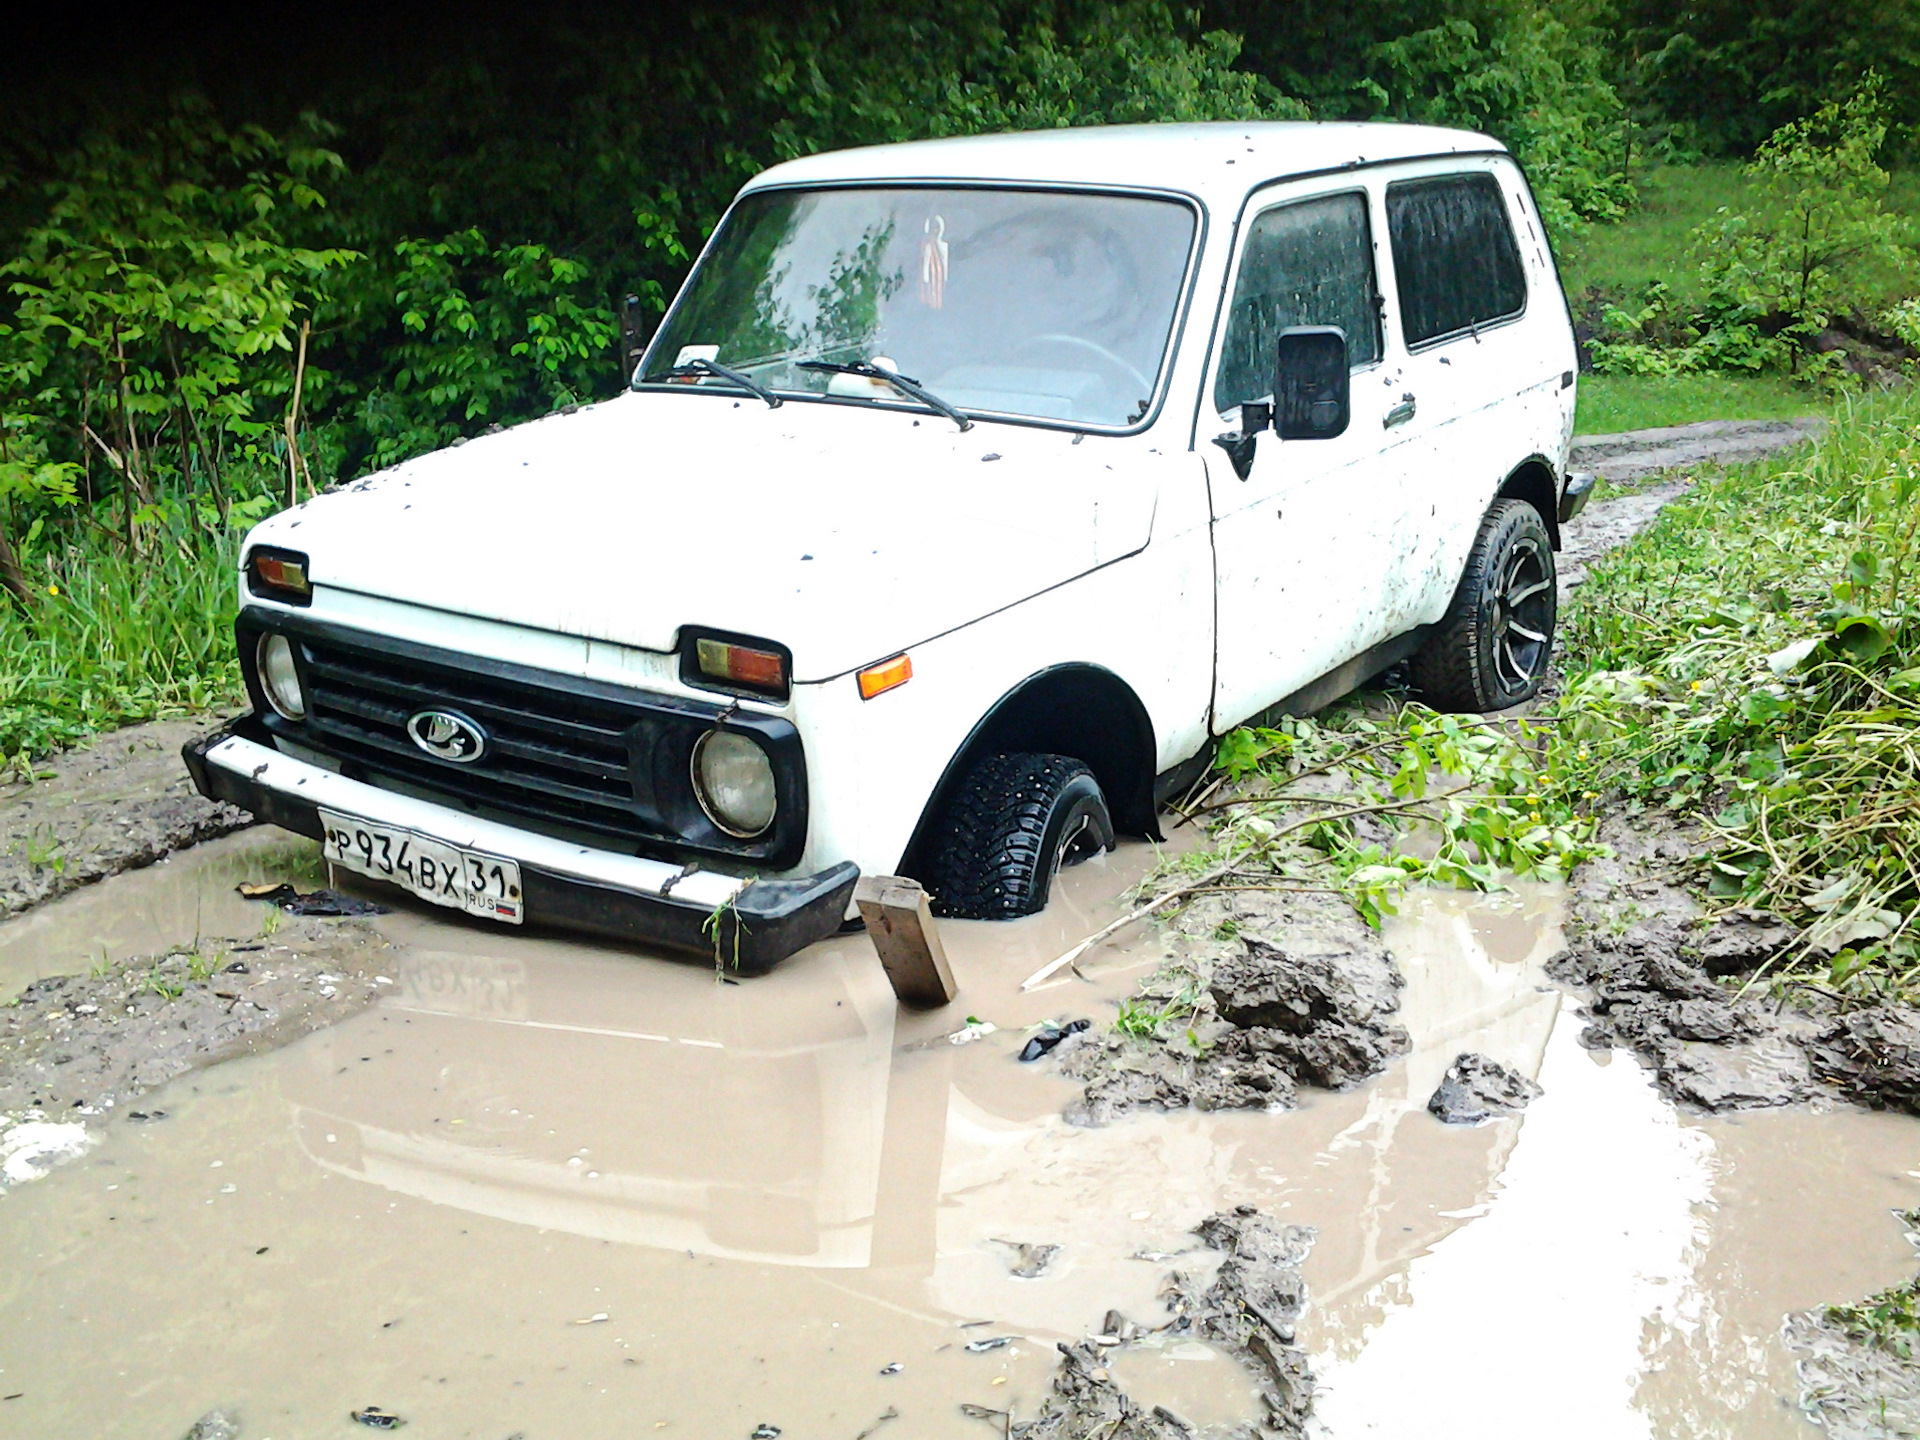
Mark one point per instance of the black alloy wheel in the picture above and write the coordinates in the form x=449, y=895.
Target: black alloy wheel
x=1492, y=649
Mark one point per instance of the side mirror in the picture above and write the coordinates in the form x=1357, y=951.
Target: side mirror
x=1310, y=383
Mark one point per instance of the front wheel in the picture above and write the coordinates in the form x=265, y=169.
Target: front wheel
x=1011, y=825
x=1492, y=648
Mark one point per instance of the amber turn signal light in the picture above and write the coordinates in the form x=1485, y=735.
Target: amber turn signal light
x=742, y=665
x=279, y=575
x=887, y=675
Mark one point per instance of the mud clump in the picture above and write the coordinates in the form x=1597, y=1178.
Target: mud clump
x=1250, y=1310
x=1476, y=1088
x=122, y=802
x=1663, y=984
x=1312, y=1005
x=1873, y=1055
x=75, y=1047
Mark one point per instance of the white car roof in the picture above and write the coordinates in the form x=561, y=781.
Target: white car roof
x=1218, y=162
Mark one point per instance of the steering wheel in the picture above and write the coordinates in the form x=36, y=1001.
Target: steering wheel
x=1119, y=363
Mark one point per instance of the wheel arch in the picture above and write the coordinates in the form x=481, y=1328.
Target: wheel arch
x=1078, y=709
x=1533, y=480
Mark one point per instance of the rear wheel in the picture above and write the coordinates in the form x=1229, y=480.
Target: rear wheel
x=1012, y=823
x=1492, y=648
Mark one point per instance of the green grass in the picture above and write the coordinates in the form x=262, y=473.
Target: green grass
x=111, y=639
x=1651, y=242
x=1609, y=403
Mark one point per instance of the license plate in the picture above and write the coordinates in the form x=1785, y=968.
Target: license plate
x=469, y=880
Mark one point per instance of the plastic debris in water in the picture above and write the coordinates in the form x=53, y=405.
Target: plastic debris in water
x=974, y=1029
x=33, y=1147
x=374, y=1418
x=997, y=1342
x=1045, y=1041
x=329, y=903
x=764, y=1431
x=893, y=1369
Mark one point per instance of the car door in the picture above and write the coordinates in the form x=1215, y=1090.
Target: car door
x=1300, y=543
x=1479, y=392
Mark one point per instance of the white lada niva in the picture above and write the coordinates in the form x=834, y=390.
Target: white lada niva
x=967, y=492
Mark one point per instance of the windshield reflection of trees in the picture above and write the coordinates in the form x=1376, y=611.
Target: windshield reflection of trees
x=1058, y=306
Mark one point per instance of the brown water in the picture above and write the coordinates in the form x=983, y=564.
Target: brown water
x=572, y=1192
x=173, y=903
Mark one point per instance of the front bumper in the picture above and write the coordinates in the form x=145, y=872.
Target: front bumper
x=624, y=897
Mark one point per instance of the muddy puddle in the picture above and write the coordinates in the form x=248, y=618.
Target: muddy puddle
x=169, y=904
x=569, y=1192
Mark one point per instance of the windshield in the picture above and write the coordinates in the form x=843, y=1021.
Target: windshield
x=1051, y=305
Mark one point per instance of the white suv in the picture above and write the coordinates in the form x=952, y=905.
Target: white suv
x=969, y=489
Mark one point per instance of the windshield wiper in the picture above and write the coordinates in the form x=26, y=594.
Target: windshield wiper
x=906, y=385
x=721, y=372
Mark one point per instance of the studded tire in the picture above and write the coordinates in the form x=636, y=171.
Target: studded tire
x=1008, y=828
x=1492, y=648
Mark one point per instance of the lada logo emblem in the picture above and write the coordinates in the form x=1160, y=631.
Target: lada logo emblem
x=446, y=735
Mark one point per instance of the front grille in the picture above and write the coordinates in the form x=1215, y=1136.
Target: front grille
x=550, y=753
x=583, y=760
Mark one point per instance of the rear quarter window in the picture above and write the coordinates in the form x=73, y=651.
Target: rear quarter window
x=1456, y=264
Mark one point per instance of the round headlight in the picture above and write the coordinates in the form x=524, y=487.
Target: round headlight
x=278, y=678
x=734, y=780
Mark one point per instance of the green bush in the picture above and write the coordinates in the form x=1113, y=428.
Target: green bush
x=1818, y=214
x=1535, y=84
x=152, y=313
x=477, y=335
x=1809, y=240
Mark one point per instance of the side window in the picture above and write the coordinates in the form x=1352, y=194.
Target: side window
x=1308, y=263
x=1454, y=254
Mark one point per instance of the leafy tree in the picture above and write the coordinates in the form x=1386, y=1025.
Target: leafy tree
x=1533, y=83
x=1819, y=212
x=1731, y=72
x=1777, y=270
x=1536, y=78
x=484, y=335
x=154, y=308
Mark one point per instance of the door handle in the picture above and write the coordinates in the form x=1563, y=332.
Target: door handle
x=1401, y=413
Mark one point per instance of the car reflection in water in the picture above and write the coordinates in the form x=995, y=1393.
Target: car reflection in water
x=610, y=1112
x=779, y=1122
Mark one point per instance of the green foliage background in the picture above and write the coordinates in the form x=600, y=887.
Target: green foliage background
x=456, y=213
x=231, y=273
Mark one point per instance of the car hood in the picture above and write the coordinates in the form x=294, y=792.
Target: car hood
x=845, y=532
